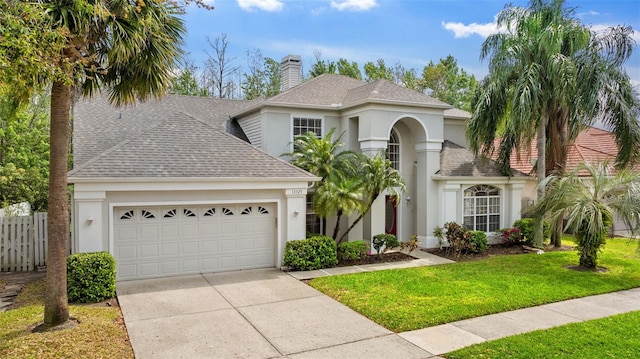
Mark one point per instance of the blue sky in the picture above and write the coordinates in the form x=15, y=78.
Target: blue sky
x=411, y=32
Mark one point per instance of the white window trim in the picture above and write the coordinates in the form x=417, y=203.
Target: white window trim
x=501, y=201
x=399, y=148
x=305, y=115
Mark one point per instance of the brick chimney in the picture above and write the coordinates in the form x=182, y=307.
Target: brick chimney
x=291, y=70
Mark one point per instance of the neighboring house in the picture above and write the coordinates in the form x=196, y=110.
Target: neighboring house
x=190, y=185
x=593, y=145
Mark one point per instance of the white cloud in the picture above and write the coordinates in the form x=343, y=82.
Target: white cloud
x=461, y=30
x=306, y=49
x=354, y=5
x=590, y=13
x=265, y=5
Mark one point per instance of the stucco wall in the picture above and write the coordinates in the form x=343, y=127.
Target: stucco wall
x=95, y=234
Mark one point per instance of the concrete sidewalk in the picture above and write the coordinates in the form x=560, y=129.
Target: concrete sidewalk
x=422, y=259
x=452, y=336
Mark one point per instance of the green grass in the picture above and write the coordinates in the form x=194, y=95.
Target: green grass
x=98, y=334
x=408, y=299
x=612, y=337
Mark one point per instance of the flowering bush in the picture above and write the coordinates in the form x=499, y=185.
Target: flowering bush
x=512, y=235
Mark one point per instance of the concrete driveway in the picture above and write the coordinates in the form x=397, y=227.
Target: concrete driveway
x=249, y=314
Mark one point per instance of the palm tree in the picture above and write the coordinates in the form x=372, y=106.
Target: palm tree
x=321, y=156
x=590, y=204
x=128, y=48
x=339, y=195
x=549, y=77
x=377, y=176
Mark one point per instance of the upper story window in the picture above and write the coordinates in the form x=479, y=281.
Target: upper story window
x=302, y=125
x=393, y=150
x=482, y=208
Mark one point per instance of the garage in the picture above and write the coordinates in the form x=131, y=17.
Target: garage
x=156, y=241
x=169, y=194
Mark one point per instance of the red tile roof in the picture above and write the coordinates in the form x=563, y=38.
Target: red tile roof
x=593, y=145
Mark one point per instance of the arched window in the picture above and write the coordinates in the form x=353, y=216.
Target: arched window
x=393, y=150
x=482, y=208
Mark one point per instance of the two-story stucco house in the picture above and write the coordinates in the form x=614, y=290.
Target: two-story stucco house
x=190, y=185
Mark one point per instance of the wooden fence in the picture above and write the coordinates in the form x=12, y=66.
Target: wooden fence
x=23, y=242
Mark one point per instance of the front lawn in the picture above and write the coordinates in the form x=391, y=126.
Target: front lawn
x=98, y=334
x=414, y=298
x=612, y=337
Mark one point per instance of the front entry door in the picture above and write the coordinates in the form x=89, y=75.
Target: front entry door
x=391, y=216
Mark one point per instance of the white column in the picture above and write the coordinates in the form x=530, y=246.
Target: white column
x=513, y=204
x=428, y=196
x=296, y=214
x=90, y=221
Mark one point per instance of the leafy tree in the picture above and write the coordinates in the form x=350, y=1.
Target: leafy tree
x=447, y=82
x=377, y=176
x=590, y=204
x=377, y=71
x=24, y=152
x=263, y=79
x=186, y=81
x=321, y=67
x=349, y=69
x=549, y=76
x=128, y=48
x=407, y=77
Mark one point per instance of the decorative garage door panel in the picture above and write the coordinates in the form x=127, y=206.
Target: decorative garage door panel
x=171, y=240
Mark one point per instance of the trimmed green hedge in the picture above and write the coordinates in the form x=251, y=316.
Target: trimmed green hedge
x=91, y=277
x=352, y=251
x=311, y=253
x=526, y=226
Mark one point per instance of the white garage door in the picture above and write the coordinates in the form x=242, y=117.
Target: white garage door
x=170, y=240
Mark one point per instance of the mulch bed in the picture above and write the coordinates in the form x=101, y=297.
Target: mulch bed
x=492, y=251
x=382, y=258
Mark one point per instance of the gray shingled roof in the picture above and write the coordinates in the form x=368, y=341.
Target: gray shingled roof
x=324, y=90
x=457, y=161
x=456, y=113
x=340, y=92
x=384, y=90
x=98, y=125
x=182, y=146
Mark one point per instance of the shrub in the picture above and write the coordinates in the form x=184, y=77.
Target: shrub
x=352, y=251
x=384, y=240
x=311, y=253
x=462, y=240
x=512, y=235
x=412, y=244
x=91, y=277
x=526, y=226
x=478, y=241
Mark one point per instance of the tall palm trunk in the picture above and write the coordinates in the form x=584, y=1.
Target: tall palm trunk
x=56, y=309
x=337, y=228
x=558, y=140
x=540, y=173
